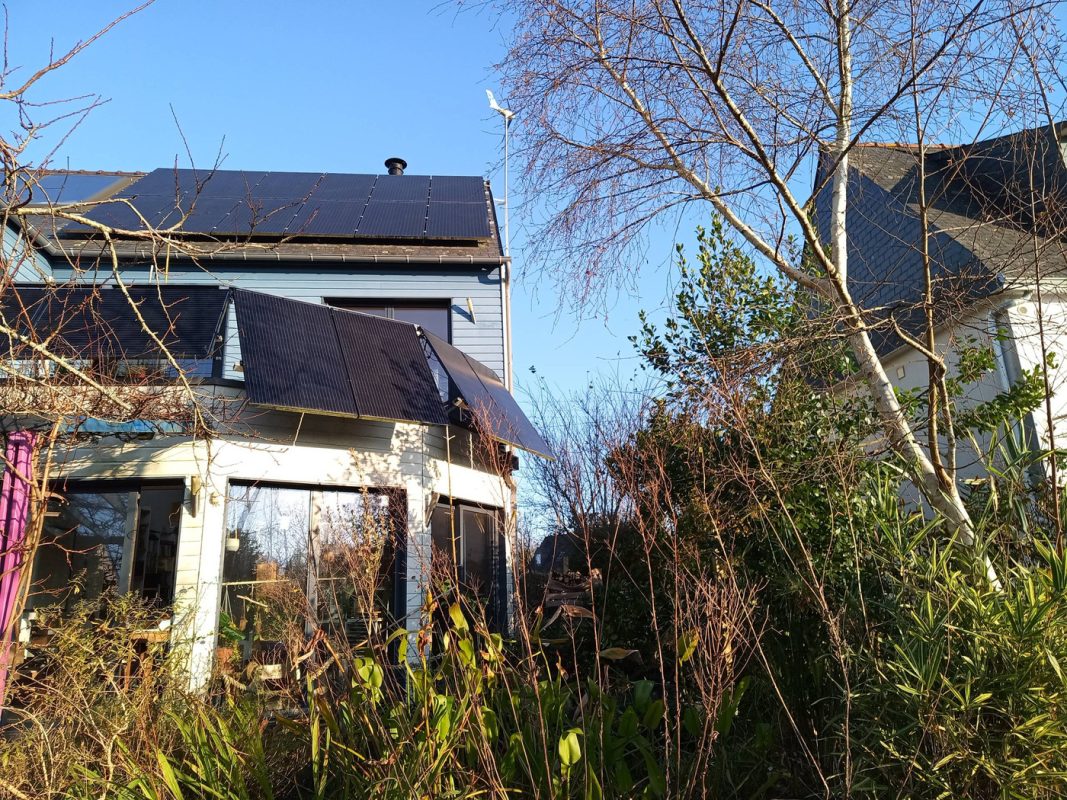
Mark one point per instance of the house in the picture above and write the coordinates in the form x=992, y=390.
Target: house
x=302, y=409
x=996, y=215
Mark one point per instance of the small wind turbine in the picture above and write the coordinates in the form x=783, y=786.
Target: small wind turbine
x=507, y=115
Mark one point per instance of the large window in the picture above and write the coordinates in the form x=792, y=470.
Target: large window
x=108, y=538
x=469, y=559
x=297, y=558
x=433, y=316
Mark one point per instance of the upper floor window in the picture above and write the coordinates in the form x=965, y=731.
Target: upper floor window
x=434, y=316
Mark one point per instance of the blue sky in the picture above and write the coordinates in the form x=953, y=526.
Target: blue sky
x=323, y=86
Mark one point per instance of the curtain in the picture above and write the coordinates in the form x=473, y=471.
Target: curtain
x=14, y=520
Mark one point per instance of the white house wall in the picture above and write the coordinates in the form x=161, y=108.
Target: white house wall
x=325, y=452
x=1030, y=350
x=1016, y=315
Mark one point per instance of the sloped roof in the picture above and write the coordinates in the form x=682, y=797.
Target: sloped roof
x=993, y=209
x=291, y=216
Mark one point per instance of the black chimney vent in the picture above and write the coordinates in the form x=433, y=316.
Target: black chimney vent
x=396, y=166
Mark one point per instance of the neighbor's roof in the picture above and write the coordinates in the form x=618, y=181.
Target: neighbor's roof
x=988, y=228
x=275, y=215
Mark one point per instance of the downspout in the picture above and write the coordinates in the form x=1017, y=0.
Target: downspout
x=505, y=297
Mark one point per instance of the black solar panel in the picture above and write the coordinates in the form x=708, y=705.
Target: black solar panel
x=403, y=220
x=121, y=215
x=401, y=188
x=205, y=213
x=493, y=407
x=457, y=189
x=331, y=219
x=311, y=357
x=66, y=187
x=93, y=322
x=163, y=182
x=232, y=202
x=289, y=186
x=350, y=188
x=387, y=369
x=230, y=183
x=291, y=355
x=457, y=220
x=275, y=217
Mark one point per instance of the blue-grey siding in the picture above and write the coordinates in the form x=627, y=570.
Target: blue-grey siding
x=480, y=335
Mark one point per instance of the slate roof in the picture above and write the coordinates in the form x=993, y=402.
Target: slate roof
x=994, y=212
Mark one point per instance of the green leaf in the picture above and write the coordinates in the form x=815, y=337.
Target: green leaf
x=169, y=777
x=458, y=620
x=687, y=645
x=570, y=750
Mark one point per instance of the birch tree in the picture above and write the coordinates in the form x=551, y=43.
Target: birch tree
x=631, y=109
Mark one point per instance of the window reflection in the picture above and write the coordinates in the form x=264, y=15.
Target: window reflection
x=300, y=558
x=95, y=542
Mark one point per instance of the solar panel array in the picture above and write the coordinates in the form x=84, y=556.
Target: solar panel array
x=64, y=187
x=242, y=203
x=310, y=357
x=90, y=322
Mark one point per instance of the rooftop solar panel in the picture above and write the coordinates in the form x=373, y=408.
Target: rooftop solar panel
x=331, y=219
x=237, y=203
x=275, y=217
x=121, y=215
x=289, y=186
x=164, y=182
x=401, y=188
x=402, y=220
x=291, y=355
x=205, y=213
x=337, y=186
x=458, y=220
x=66, y=187
x=457, y=189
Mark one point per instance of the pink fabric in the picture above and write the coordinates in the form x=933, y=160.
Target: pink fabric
x=14, y=519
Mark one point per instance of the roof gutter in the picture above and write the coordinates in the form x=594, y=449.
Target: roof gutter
x=53, y=249
x=266, y=255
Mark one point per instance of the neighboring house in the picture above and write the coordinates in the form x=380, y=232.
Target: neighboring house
x=348, y=339
x=996, y=212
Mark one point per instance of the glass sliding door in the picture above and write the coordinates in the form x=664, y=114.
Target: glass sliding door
x=299, y=559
